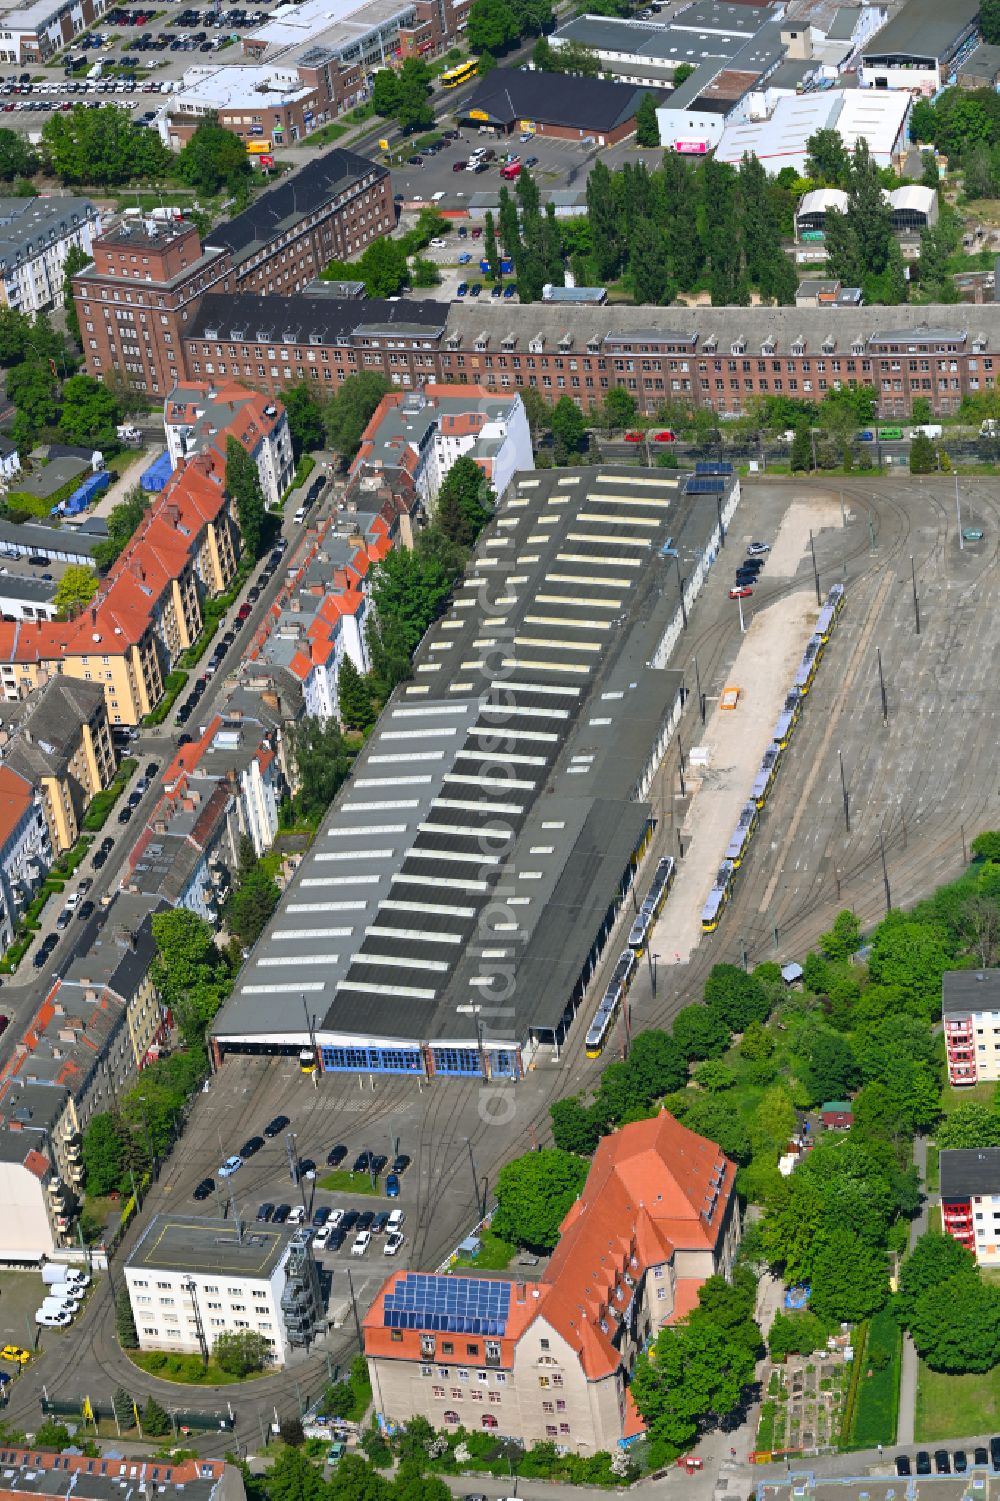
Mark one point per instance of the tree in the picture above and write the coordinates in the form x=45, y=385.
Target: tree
x=75, y=590
x=828, y=160
x=101, y=146
x=213, y=158
x=254, y=897
x=736, y=997
x=534, y=1193
x=700, y=1032
x=424, y=273
x=290, y=1429
x=189, y=971
x=243, y=484
x=357, y=712
x=923, y=455
x=350, y=411
x=465, y=502
x=305, y=418
x=90, y=413
x=128, y=1335
x=934, y=1260
x=574, y=1128
x=796, y=1334
x=986, y=846
x=844, y=938
x=76, y=259
x=106, y=1151
x=831, y=1071
x=383, y=268
x=850, y=1278
x=647, y=264
x=322, y=763
x=647, y=127
x=32, y=388
x=695, y=1374
x=801, y=454
x=757, y=1044
x=618, y=409
x=657, y=1064
x=569, y=426
x=123, y=520
x=989, y=21
x=970, y=1125
x=17, y=159
x=155, y=1421
x=955, y=1325
x=240, y=1351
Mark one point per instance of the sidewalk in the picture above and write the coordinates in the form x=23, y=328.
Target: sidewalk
x=909, y=1369
x=129, y=478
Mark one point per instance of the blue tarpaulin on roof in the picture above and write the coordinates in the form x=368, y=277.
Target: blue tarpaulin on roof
x=156, y=476
x=84, y=494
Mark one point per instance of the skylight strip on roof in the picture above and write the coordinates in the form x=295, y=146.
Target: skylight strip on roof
x=395, y=961
x=514, y=687
x=472, y=807
x=345, y=831
x=606, y=541
x=413, y=935
x=456, y=857
x=515, y=662
x=501, y=731
x=435, y=908
x=279, y=935
x=449, y=729
x=579, y=604
x=326, y=907
x=525, y=711
x=508, y=760
x=272, y=961
x=564, y=621
x=422, y=712
x=366, y=880
x=419, y=781
x=586, y=578
x=452, y=883
x=407, y=756
x=407, y=992
x=549, y=645
x=659, y=502
x=381, y=806
x=273, y=989
x=362, y=854
x=650, y=522
x=502, y=784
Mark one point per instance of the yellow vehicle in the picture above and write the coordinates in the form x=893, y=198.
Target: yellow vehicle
x=258, y=148
x=16, y=1354
x=461, y=73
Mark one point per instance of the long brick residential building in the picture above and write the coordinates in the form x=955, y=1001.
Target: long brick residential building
x=140, y=295
x=551, y=1361
x=708, y=357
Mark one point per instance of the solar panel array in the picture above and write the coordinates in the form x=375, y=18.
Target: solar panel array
x=712, y=466
x=453, y=1305
x=705, y=484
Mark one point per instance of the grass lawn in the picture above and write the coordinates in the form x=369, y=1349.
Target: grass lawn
x=990, y=1274
x=933, y=1167
x=878, y=1394
x=956, y=1406
x=934, y=1218
x=186, y=1369
x=494, y=1254
x=343, y=1182
x=950, y=1098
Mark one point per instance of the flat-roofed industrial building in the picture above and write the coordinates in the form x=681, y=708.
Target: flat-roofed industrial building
x=452, y=909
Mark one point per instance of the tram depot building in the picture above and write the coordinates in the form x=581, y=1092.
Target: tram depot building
x=496, y=818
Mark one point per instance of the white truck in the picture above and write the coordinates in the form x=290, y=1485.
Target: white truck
x=990, y=428
x=929, y=430
x=53, y=1275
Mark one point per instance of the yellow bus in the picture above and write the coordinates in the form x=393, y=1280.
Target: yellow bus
x=461, y=73
x=258, y=148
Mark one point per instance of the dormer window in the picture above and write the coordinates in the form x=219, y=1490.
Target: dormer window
x=767, y=347
x=858, y=347
x=738, y=346
x=799, y=346
x=537, y=344
x=829, y=345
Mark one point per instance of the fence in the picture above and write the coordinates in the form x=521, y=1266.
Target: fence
x=84, y=1409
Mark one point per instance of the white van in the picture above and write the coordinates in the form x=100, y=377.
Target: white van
x=299, y=517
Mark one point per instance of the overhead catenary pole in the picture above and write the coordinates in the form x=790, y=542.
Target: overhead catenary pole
x=958, y=514
x=812, y=549
x=885, y=873
x=916, y=602
x=843, y=788
x=881, y=684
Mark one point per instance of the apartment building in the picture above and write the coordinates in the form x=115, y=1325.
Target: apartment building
x=35, y=32
x=118, y=960
x=36, y=236
x=25, y=848
x=191, y=1279
x=270, y=342
x=329, y=210
x=550, y=1361
x=246, y=755
x=422, y=433
x=49, y=1475
x=970, y=1200
x=136, y=299
x=970, y=1009
x=35, y=1210
x=59, y=740
x=189, y=849
x=199, y=415
x=268, y=105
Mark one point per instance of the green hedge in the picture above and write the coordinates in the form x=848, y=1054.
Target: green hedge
x=857, y=1364
x=172, y=688
x=877, y=1406
x=212, y=612
x=97, y=814
x=14, y=955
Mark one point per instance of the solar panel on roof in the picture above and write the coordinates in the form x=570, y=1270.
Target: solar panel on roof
x=458, y=1305
x=705, y=484
x=712, y=466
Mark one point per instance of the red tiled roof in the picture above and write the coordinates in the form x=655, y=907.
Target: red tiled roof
x=16, y=796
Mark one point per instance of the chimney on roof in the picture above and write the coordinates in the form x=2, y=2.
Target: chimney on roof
x=521, y=1291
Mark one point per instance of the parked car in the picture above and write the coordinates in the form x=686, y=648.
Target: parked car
x=229, y=1167
x=281, y=1214
x=396, y=1219
x=740, y=591
x=393, y=1241
x=361, y=1162
x=16, y=1354
x=923, y=1462
x=635, y=437
x=204, y=1189
x=665, y=437
x=400, y=1163
x=757, y=549
x=462, y=289
x=903, y=1464
x=960, y=1461
x=251, y=1147
x=321, y=1215
x=336, y=1155
x=942, y=1461
x=85, y=910
x=276, y=1126
x=980, y=1456
x=297, y=1215
x=349, y=1221
x=361, y=1242
x=380, y=1222
x=322, y=1238
x=365, y=1219
x=265, y=1212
